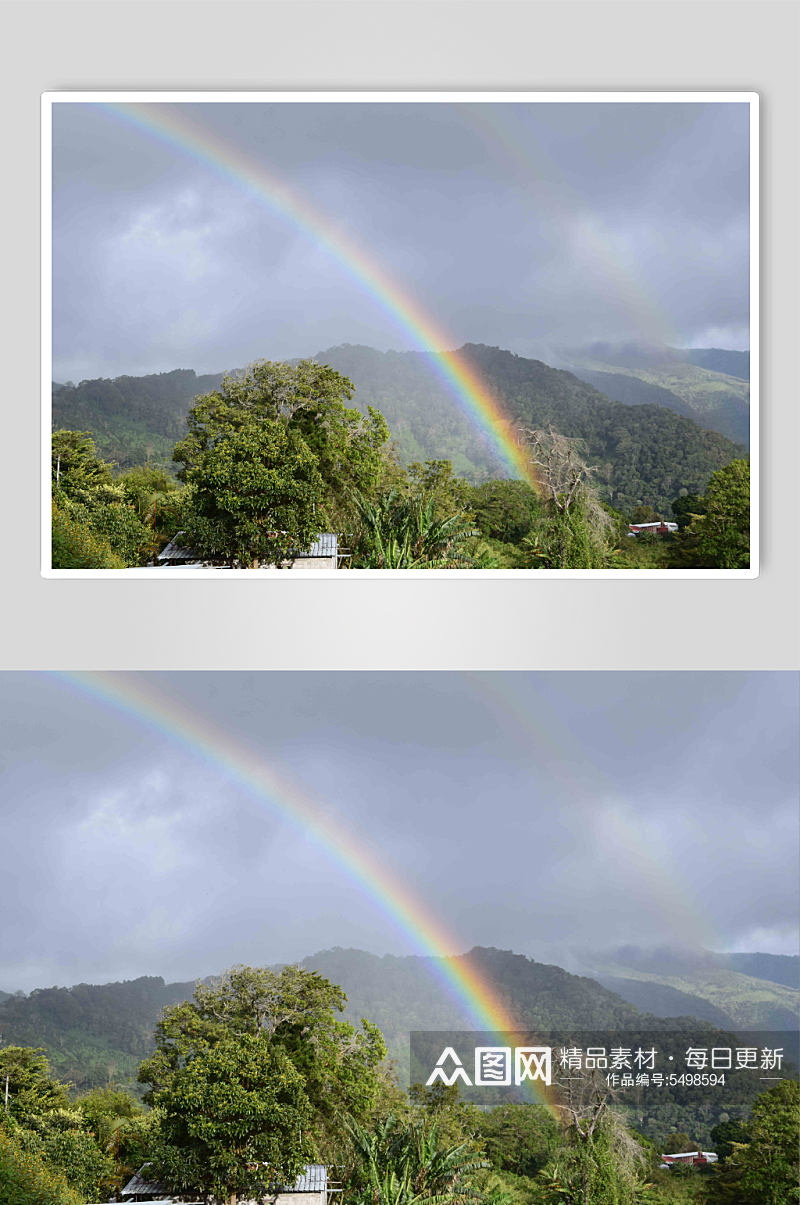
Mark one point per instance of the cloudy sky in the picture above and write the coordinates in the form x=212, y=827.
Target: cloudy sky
x=521, y=226
x=542, y=813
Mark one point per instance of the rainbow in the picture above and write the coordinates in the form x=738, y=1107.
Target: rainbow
x=658, y=880
x=185, y=727
x=171, y=124
x=606, y=266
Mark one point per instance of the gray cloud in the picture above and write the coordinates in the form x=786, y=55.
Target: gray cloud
x=514, y=225
x=537, y=812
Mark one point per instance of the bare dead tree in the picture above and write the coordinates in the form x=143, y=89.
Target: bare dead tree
x=560, y=461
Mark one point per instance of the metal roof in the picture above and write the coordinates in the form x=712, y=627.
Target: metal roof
x=314, y=1179
x=327, y=544
x=172, y=553
x=137, y=1186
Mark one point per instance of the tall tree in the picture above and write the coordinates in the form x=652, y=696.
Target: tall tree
x=294, y=1010
x=253, y=496
x=231, y=1120
x=573, y=529
x=307, y=399
x=724, y=530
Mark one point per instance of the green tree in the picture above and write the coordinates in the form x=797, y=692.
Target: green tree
x=724, y=530
x=645, y=514
x=294, y=1010
x=78, y=472
x=727, y=1134
x=519, y=1138
x=253, y=496
x=401, y=532
x=32, y=1090
x=26, y=1178
x=61, y=1138
x=769, y=1163
x=504, y=510
x=685, y=506
x=231, y=1120
x=307, y=399
x=76, y=545
x=677, y=1143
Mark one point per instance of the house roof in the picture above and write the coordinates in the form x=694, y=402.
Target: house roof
x=313, y=1179
x=326, y=544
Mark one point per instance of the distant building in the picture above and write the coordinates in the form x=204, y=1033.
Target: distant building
x=694, y=1158
x=323, y=554
x=310, y=1188
x=659, y=529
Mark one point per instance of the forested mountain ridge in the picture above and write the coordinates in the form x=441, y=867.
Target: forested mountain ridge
x=645, y=453
x=133, y=419
x=92, y=1033
x=96, y=1033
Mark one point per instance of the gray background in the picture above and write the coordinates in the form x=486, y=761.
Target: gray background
x=352, y=623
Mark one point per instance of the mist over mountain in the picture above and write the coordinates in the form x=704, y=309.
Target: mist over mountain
x=756, y=991
x=710, y=385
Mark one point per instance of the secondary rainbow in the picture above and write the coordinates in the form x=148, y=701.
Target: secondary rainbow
x=173, y=124
x=185, y=727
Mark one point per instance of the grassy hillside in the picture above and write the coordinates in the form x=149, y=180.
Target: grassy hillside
x=716, y=399
x=716, y=986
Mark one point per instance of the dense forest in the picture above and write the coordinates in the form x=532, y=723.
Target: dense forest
x=645, y=454
x=96, y=1034
x=259, y=1071
x=275, y=455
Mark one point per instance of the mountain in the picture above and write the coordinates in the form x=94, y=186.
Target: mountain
x=731, y=363
x=710, y=385
x=645, y=453
x=92, y=1033
x=132, y=419
x=743, y=991
x=97, y=1034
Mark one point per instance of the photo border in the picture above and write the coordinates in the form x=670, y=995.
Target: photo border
x=51, y=98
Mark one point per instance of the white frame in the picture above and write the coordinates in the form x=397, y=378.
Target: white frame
x=717, y=97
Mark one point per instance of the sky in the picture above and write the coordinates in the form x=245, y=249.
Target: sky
x=545, y=813
x=523, y=226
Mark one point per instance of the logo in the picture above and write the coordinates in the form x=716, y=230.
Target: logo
x=493, y=1066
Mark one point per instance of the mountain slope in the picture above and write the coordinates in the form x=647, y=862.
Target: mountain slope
x=132, y=419
x=716, y=399
x=705, y=980
x=92, y=1033
x=731, y=363
x=644, y=453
